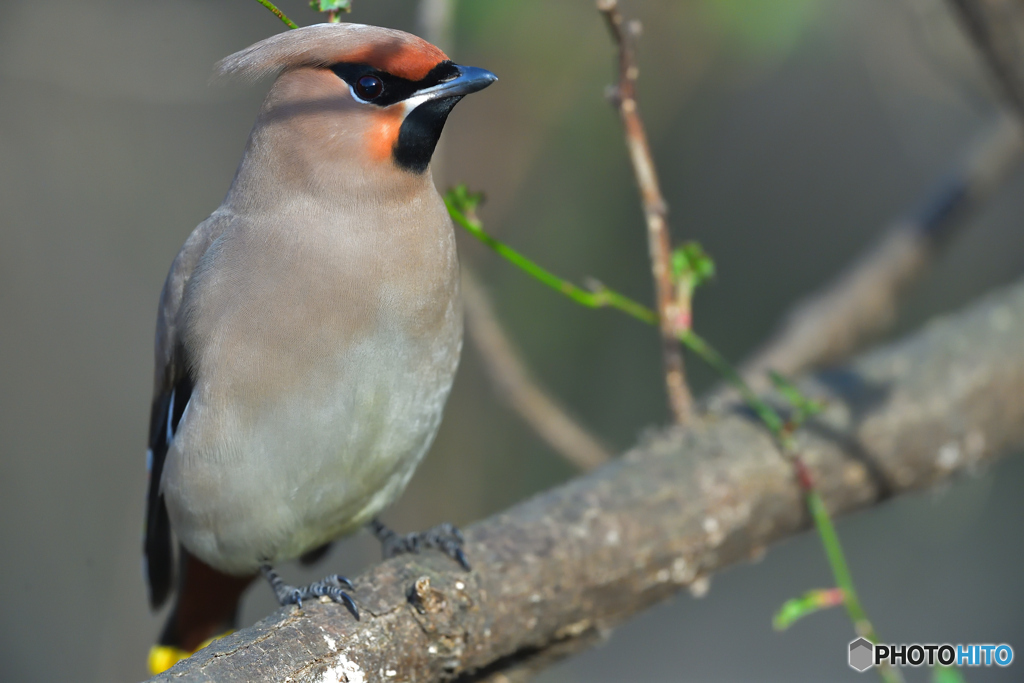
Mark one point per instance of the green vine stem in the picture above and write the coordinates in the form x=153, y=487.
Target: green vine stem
x=278, y=13
x=462, y=208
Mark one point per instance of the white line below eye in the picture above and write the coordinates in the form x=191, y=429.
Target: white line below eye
x=415, y=101
x=356, y=97
x=408, y=104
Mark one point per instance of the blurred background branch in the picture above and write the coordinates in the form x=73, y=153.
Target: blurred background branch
x=512, y=382
x=556, y=573
x=861, y=302
x=997, y=29
x=504, y=366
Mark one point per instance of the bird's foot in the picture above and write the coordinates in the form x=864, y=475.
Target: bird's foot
x=443, y=537
x=329, y=586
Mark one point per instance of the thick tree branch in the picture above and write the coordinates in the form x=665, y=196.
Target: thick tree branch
x=557, y=572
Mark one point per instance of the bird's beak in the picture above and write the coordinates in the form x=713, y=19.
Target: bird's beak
x=469, y=80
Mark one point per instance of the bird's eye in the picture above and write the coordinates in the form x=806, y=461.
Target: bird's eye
x=369, y=88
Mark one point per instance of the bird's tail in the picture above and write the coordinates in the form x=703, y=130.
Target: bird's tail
x=205, y=608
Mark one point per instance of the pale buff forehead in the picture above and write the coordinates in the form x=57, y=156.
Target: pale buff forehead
x=396, y=52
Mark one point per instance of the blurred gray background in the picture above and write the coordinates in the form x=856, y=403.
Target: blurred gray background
x=788, y=133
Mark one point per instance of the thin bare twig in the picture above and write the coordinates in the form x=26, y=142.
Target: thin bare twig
x=556, y=573
x=513, y=383
x=655, y=211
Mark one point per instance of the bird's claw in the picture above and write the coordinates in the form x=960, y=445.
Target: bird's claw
x=444, y=537
x=330, y=586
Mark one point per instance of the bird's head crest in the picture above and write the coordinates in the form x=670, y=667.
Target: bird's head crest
x=395, y=52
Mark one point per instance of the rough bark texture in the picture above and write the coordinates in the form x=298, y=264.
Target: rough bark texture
x=555, y=573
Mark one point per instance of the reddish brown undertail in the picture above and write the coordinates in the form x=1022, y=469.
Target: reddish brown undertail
x=206, y=604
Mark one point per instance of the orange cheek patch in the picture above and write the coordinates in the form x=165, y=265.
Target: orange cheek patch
x=412, y=62
x=384, y=134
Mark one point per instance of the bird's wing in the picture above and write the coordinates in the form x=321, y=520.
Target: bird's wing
x=172, y=390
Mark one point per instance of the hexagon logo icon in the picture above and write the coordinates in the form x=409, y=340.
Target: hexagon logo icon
x=862, y=654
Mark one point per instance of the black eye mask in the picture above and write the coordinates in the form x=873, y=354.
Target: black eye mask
x=422, y=126
x=393, y=89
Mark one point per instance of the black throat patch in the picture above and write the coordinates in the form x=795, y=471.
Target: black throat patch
x=420, y=132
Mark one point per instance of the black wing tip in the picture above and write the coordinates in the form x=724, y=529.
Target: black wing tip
x=159, y=563
x=167, y=410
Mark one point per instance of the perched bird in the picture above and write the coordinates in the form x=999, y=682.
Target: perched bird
x=308, y=331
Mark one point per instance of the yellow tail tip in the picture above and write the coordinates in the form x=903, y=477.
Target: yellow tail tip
x=163, y=657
